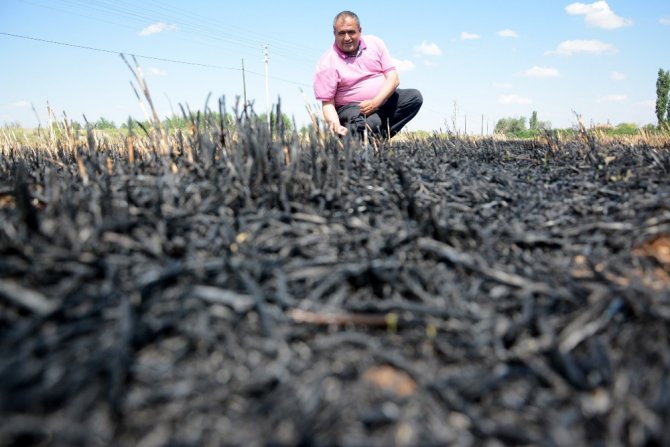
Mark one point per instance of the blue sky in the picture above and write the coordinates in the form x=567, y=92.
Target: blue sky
x=474, y=61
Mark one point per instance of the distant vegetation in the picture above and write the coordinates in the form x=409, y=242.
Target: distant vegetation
x=174, y=122
x=511, y=127
x=516, y=128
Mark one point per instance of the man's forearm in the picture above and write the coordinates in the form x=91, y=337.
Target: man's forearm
x=330, y=113
x=332, y=118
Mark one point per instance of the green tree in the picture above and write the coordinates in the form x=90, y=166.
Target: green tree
x=176, y=122
x=510, y=126
x=104, y=123
x=649, y=128
x=662, y=90
x=76, y=125
x=14, y=125
x=286, y=121
x=533, y=123
x=625, y=129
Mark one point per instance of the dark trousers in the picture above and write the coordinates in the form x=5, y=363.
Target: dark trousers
x=398, y=110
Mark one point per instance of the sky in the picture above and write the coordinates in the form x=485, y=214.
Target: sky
x=475, y=61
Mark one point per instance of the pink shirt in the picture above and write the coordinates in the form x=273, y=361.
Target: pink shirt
x=348, y=79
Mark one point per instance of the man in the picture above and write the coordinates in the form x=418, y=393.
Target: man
x=357, y=84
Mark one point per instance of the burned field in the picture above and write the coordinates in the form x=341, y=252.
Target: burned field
x=266, y=292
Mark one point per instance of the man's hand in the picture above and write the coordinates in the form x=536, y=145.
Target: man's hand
x=338, y=129
x=330, y=115
x=368, y=107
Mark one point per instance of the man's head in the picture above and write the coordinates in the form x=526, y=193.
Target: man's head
x=347, y=31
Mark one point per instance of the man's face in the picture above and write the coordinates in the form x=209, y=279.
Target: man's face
x=347, y=34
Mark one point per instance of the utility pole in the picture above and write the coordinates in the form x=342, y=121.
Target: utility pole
x=267, y=81
x=244, y=90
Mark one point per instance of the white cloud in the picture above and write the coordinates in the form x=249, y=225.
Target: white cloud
x=598, y=14
x=156, y=28
x=502, y=85
x=403, y=65
x=157, y=71
x=540, y=72
x=514, y=99
x=428, y=49
x=664, y=21
x=19, y=105
x=507, y=33
x=570, y=47
x=613, y=98
x=616, y=76
x=469, y=36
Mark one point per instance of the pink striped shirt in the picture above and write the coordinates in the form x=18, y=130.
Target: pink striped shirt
x=346, y=79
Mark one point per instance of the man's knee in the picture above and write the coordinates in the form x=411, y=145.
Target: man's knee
x=415, y=97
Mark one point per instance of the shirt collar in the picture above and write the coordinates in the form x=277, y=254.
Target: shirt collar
x=343, y=55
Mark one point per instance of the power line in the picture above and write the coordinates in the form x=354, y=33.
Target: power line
x=102, y=50
x=187, y=20
x=162, y=59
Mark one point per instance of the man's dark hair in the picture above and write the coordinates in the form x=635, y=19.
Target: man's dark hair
x=347, y=14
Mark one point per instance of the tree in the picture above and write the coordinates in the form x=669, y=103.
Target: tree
x=14, y=125
x=510, y=126
x=286, y=121
x=533, y=122
x=104, y=123
x=662, y=90
x=625, y=129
